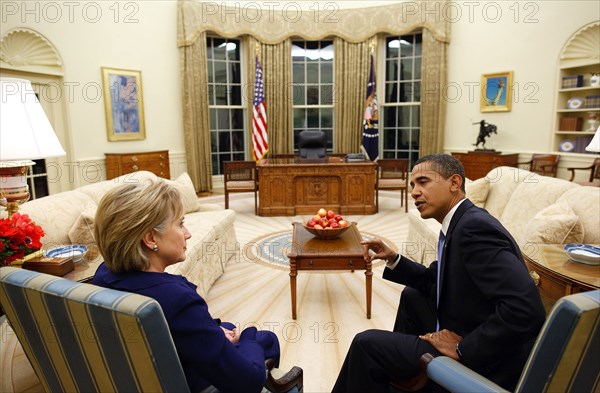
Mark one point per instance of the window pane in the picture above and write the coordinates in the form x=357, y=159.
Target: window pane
x=391, y=70
x=224, y=141
x=312, y=73
x=389, y=139
x=221, y=94
x=222, y=119
x=215, y=164
x=220, y=68
x=213, y=119
x=417, y=68
x=237, y=141
x=391, y=50
x=326, y=118
x=312, y=95
x=406, y=66
x=298, y=73
x=312, y=118
x=219, y=49
x=235, y=74
x=406, y=45
x=418, y=45
x=299, y=98
x=327, y=95
x=214, y=142
x=235, y=96
x=327, y=72
x=299, y=118
x=237, y=119
x=233, y=51
x=211, y=95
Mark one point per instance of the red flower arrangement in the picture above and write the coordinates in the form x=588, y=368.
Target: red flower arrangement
x=19, y=236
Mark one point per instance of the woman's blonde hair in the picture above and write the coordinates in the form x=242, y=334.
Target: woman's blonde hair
x=126, y=213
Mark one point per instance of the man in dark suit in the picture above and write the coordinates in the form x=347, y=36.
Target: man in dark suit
x=485, y=312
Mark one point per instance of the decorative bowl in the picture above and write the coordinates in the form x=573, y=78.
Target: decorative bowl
x=75, y=251
x=583, y=253
x=325, y=234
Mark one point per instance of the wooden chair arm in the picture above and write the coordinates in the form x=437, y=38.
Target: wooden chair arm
x=587, y=168
x=292, y=378
x=419, y=381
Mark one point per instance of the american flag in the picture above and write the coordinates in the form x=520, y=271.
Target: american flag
x=260, y=141
x=370, y=139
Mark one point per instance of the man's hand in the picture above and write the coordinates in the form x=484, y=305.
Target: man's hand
x=444, y=341
x=380, y=249
x=232, y=335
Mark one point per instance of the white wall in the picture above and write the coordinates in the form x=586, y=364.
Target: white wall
x=524, y=37
x=87, y=40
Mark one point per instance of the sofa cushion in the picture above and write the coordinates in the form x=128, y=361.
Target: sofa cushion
x=82, y=230
x=185, y=186
x=97, y=190
x=56, y=214
x=556, y=224
x=585, y=202
x=477, y=191
x=529, y=198
x=502, y=182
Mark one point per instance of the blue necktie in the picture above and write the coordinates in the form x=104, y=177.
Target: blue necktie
x=439, y=254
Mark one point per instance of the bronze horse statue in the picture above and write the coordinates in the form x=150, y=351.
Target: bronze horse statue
x=485, y=130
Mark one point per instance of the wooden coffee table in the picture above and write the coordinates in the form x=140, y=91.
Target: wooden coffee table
x=343, y=253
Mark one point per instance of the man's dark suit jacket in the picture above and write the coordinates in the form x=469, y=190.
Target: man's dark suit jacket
x=486, y=294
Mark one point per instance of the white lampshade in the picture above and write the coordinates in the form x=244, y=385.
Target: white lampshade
x=595, y=143
x=25, y=131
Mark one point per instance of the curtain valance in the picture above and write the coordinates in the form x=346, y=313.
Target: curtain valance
x=274, y=25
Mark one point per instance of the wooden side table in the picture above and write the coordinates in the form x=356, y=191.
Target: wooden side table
x=556, y=275
x=156, y=162
x=478, y=164
x=343, y=253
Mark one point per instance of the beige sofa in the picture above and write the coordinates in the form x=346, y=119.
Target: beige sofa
x=534, y=209
x=67, y=218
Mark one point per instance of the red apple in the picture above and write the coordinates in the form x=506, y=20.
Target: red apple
x=322, y=212
x=330, y=214
x=332, y=220
x=316, y=218
x=324, y=222
x=310, y=224
x=338, y=217
x=317, y=226
x=335, y=225
x=343, y=223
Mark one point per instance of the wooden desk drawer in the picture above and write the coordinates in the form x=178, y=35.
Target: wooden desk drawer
x=337, y=263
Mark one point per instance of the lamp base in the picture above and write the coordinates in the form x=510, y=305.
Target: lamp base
x=13, y=185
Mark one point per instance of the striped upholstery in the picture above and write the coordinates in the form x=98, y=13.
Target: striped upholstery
x=564, y=358
x=80, y=337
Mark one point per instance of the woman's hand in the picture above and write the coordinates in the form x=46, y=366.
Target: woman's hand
x=232, y=335
x=379, y=249
x=444, y=341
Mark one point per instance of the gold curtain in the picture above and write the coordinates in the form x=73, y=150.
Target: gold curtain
x=276, y=63
x=351, y=65
x=196, y=118
x=433, y=104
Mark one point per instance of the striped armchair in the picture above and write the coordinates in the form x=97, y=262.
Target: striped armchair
x=83, y=338
x=564, y=358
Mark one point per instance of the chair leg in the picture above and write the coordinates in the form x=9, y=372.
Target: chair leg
x=226, y=200
x=377, y=200
x=406, y=200
x=255, y=203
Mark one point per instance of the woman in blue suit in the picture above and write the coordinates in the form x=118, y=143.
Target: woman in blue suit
x=139, y=229
x=476, y=303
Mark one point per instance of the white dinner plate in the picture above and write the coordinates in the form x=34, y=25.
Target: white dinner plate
x=583, y=253
x=75, y=251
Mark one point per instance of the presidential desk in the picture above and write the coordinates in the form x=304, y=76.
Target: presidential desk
x=287, y=187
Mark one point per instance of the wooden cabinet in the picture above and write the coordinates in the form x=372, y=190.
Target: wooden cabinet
x=156, y=162
x=556, y=275
x=478, y=164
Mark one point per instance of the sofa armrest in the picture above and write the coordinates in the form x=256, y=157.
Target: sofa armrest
x=456, y=377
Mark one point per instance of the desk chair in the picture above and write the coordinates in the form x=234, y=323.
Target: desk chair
x=312, y=145
x=564, y=358
x=392, y=174
x=594, y=173
x=543, y=164
x=83, y=338
x=240, y=176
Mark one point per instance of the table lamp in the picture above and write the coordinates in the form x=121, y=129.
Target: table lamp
x=595, y=143
x=25, y=134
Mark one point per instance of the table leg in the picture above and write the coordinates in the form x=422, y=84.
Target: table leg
x=369, y=284
x=293, y=274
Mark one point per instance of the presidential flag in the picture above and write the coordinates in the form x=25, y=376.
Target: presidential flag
x=260, y=141
x=370, y=139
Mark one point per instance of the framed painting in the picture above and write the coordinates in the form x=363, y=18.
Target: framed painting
x=496, y=92
x=123, y=104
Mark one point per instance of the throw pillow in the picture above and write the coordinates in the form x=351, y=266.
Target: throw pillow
x=556, y=224
x=82, y=230
x=477, y=191
x=184, y=184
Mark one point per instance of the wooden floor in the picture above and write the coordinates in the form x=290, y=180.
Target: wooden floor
x=331, y=305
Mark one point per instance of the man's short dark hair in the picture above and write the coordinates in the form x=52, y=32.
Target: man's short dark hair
x=446, y=165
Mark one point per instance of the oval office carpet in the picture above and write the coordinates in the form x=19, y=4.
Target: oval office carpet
x=330, y=305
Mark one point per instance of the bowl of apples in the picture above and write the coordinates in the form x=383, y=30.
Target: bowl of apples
x=327, y=225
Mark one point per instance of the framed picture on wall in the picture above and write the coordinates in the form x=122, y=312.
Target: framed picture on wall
x=496, y=92
x=123, y=104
